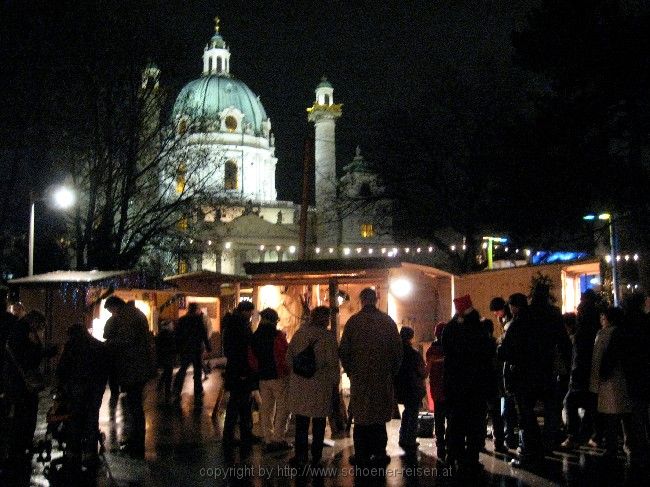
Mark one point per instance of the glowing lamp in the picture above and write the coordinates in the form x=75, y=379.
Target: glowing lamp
x=64, y=197
x=401, y=287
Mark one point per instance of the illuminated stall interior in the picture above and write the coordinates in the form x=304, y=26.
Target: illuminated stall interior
x=414, y=295
x=215, y=293
x=576, y=279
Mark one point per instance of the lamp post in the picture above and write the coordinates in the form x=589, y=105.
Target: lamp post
x=612, y=250
x=490, y=248
x=63, y=198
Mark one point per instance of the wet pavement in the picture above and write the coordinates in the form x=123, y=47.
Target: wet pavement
x=183, y=449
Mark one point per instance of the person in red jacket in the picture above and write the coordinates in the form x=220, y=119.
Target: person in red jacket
x=435, y=368
x=269, y=346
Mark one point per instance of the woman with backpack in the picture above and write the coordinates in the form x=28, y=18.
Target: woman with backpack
x=313, y=357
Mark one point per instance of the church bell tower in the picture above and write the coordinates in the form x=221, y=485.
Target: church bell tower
x=323, y=114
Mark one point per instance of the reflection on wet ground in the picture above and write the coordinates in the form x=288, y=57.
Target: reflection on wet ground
x=183, y=448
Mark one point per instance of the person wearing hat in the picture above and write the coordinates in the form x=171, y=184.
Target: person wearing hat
x=409, y=390
x=435, y=369
x=269, y=346
x=239, y=377
x=469, y=377
x=522, y=351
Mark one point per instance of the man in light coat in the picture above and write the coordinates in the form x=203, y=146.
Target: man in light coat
x=371, y=354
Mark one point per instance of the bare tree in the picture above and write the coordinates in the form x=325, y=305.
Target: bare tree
x=139, y=179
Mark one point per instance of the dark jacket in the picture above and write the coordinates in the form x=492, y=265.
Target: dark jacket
x=555, y=339
x=469, y=360
x=27, y=354
x=587, y=326
x=409, y=383
x=165, y=347
x=525, y=353
x=84, y=363
x=128, y=341
x=263, y=343
x=7, y=324
x=236, y=341
x=635, y=339
x=191, y=335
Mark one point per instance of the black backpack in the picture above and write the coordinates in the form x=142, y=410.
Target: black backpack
x=304, y=364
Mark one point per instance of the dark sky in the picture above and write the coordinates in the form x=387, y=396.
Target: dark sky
x=382, y=57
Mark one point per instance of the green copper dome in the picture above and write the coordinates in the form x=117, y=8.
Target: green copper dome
x=324, y=83
x=205, y=98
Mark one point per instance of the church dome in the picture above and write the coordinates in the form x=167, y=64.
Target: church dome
x=206, y=98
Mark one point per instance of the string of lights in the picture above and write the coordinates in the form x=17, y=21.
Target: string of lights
x=394, y=250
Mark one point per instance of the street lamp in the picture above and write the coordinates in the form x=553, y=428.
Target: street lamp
x=63, y=198
x=612, y=249
x=489, y=244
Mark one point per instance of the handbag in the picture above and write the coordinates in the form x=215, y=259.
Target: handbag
x=304, y=364
x=33, y=379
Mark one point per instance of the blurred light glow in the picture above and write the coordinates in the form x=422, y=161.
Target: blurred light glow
x=401, y=287
x=604, y=216
x=64, y=197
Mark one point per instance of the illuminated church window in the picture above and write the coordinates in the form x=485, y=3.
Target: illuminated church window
x=230, y=175
x=367, y=230
x=231, y=123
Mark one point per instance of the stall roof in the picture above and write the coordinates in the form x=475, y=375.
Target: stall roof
x=320, y=269
x=57, y=277
x=214, y=277
x=320, y=265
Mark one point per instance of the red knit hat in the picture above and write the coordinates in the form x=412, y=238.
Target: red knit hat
x=462, y=304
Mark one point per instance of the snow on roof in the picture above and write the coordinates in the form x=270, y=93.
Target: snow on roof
x=69, y=276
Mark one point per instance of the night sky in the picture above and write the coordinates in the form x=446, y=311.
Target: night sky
x=487, y=135
x=382, y=57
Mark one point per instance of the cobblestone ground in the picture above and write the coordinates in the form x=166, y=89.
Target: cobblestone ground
x=183, y=449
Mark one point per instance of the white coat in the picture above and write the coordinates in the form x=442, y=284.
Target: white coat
x=313, y=397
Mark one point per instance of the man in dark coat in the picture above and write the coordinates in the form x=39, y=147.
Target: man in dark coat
x=130, y=353
x=191, y=336
x=166, y=357
x=409, y=390
x=524, y=354
x=24, y=354
x=556, y=359
x=469, y=381
x=82, y=374
x=579, y=396
x=239, y=378
x=7, y=323
x=636, y=367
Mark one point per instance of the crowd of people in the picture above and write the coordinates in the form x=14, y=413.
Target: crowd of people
x=592, y=367
x=82, y=372
x=590, y=372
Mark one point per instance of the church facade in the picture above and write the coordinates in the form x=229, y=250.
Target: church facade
x=225, y=124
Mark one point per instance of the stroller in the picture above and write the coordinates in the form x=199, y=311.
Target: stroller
x=61, y=466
